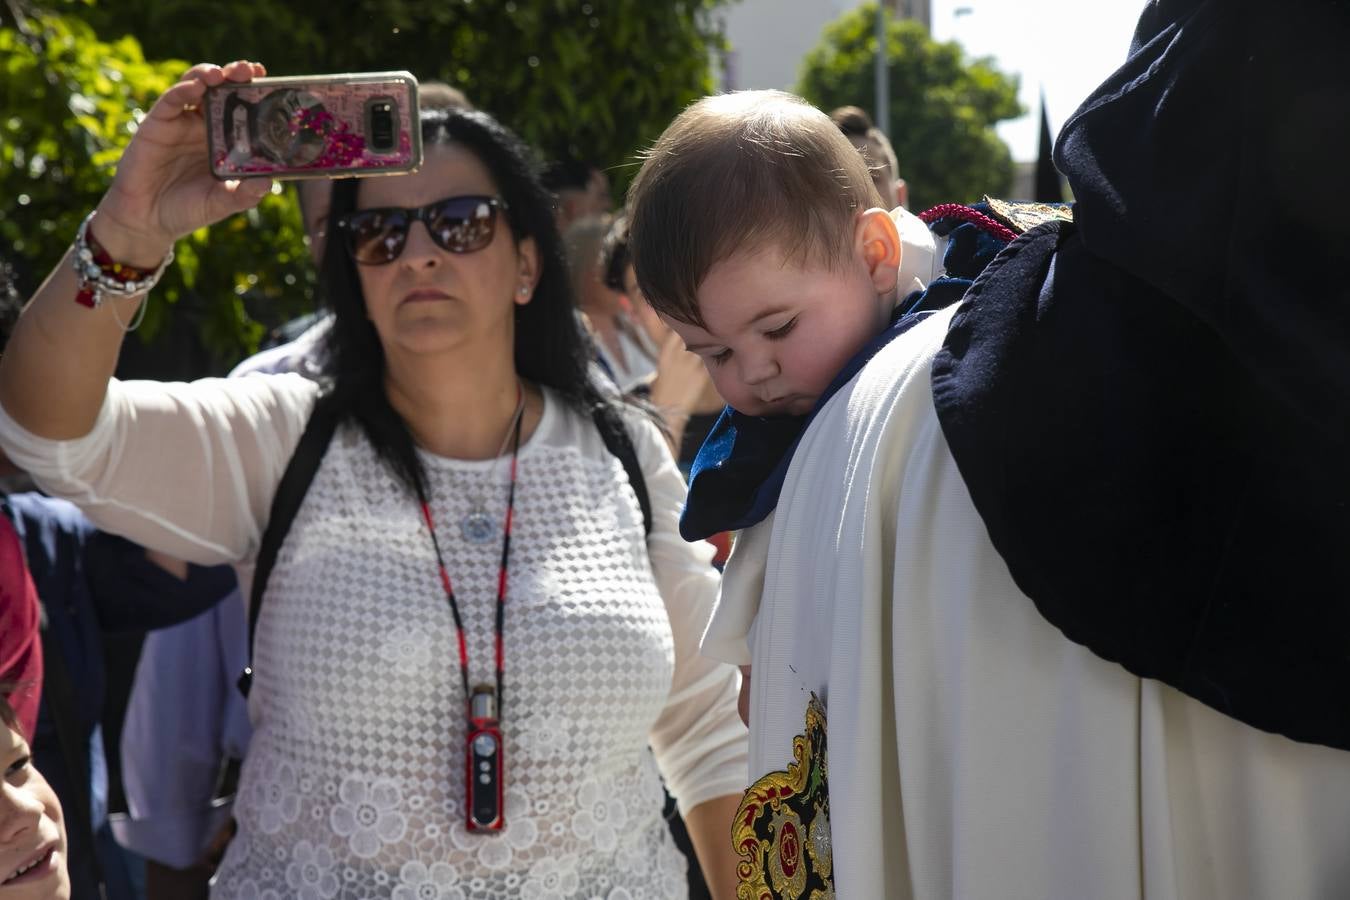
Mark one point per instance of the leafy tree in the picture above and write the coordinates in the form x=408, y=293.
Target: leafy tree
x=595, y=80
x=71, y=103
x=942, y=106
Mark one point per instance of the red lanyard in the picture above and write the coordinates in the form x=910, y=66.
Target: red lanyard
x=501, y=582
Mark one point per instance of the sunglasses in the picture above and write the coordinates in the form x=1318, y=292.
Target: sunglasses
x=457, y=225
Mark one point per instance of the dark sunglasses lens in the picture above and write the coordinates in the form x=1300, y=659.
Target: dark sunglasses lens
x=462, y=224
x=377, y=236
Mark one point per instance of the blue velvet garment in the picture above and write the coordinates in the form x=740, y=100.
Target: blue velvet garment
x=1151, y=407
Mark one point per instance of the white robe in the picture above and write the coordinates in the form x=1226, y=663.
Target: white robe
x=975, y=752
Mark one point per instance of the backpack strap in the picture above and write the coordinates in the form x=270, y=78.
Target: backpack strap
x=620, y=443
x=295, y=482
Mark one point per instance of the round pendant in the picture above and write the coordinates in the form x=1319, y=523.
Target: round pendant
x=477, y=527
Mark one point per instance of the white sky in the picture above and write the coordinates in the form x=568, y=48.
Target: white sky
x=1066, y=46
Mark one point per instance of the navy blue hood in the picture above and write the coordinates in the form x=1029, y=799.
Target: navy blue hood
x=1151, y=406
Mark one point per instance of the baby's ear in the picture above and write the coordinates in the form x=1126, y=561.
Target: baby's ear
x=878, y=240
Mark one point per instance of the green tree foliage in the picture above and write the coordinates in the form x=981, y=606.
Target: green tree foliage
x=596, y=80
x=69, y=104
x=942, y=106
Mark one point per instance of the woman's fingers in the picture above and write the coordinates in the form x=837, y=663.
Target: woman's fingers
x=187, y=94
x=212, y=74
x=239, y=70
x=184, y=96
x=207, y=72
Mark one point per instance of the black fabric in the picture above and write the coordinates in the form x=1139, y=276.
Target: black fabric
x=58, y=694
x=620, y=444
x=1151, y=407
x=304, y=464
x=291, y=490
x=1211, y=166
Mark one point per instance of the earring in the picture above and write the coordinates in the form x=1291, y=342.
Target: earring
x=524, y=290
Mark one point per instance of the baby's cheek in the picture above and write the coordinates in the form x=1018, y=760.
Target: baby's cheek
x=728, y=388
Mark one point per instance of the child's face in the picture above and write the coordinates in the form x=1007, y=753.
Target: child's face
x=32, y=834
x=778, y=331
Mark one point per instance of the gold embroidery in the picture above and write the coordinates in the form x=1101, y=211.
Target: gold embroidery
x=782, y=829
x=1022, y=216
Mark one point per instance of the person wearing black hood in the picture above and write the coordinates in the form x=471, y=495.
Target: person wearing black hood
x=1059, y=571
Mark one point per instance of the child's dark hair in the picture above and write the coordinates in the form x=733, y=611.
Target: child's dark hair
x=852, y=121
x=568, y=173
x=735, y=173
x=550, y=348
x=614, y=257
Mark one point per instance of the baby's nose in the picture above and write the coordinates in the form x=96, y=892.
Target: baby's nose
x=758, y=368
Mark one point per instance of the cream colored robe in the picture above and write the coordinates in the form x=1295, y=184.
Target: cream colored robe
x=975, y=752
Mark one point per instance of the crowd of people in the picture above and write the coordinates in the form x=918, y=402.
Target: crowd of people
x=1038, y=513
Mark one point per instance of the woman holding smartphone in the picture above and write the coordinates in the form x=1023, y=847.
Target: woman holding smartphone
x=466, y=595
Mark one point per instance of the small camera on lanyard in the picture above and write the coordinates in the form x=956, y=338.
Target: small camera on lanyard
x=483, y=753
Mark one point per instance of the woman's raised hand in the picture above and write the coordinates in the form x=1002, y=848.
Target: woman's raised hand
x=164, y=188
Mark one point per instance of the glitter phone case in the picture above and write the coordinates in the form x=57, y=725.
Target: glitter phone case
x=320, y=126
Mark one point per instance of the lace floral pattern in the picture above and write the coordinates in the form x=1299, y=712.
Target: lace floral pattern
x=354, y=784
x=368, y=815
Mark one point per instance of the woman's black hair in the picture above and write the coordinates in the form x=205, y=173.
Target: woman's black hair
x=551, y=348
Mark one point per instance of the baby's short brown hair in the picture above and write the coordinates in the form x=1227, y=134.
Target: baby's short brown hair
x=738, y=172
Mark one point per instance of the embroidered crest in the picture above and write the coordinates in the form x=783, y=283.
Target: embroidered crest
x=1022, y=216
x=782, y=828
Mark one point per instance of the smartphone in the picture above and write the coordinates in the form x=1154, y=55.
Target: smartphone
x=314, y=126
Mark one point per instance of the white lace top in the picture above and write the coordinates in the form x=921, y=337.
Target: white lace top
x=354, y=783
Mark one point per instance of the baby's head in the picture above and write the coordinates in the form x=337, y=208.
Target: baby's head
x=32, y=833
x=757, y=234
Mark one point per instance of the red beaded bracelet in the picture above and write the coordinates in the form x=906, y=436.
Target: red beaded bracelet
x=100, y=274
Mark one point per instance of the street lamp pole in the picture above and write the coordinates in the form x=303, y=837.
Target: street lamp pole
x=882, y=118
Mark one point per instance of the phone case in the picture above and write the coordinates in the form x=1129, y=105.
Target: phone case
x=321, y=126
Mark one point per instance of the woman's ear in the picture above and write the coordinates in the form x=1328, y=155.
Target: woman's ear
x=527, y=255
x=878, y=243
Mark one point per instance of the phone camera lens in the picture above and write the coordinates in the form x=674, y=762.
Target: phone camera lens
x=382, y=126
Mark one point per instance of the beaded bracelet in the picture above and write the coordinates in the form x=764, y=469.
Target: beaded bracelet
x=100, y=276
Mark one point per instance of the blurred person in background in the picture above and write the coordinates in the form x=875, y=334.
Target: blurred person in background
x=681, y=391
x=580, y=189
x=876, y=148
x=624, y=350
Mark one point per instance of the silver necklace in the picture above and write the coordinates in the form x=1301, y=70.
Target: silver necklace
x=479, y=526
